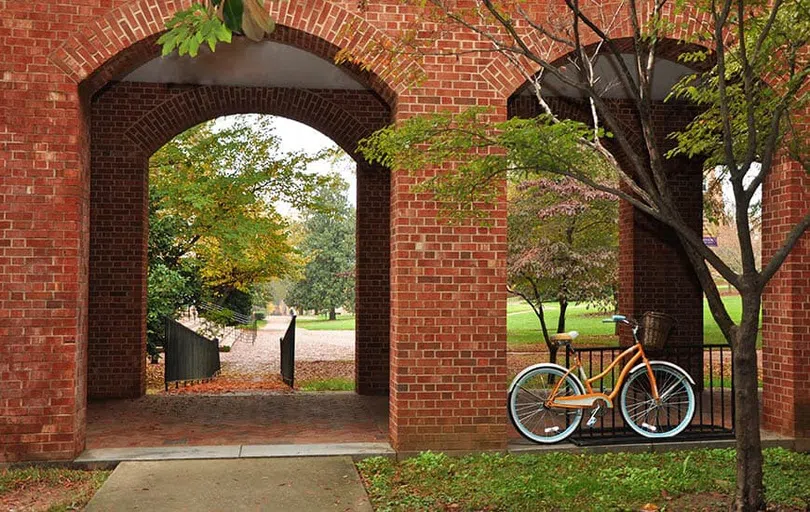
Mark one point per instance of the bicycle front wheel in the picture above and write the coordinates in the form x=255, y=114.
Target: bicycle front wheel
x=529, y=413
x=670, y=414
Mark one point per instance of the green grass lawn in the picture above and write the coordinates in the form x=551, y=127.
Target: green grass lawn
x=344, y=322
x=683, y=480
x=259, y=324
x=523, y=327
x=331, y=384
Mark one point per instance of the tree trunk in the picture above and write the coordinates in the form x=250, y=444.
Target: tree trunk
x=561, y=320
x=332, y=314
x=749, y=493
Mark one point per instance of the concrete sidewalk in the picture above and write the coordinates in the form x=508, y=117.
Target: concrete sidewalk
x=304, y=484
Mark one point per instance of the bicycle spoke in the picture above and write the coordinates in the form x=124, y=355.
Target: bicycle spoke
x=670, y=414
x=668, y=391
x=532, y=394
x=527, y=416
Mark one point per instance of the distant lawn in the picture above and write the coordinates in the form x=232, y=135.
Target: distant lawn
x=330, y=384
x=344, y=322
x=258, y=324
x=523, y=328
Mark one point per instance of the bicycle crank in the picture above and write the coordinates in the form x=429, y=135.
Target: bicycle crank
x=592, y=420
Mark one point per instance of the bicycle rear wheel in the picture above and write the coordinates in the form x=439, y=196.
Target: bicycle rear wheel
x=668, y=416
x=527, y=405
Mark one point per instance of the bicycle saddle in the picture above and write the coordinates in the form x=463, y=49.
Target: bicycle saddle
x=564, y=336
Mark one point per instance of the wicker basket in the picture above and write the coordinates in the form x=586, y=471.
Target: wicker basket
x=655, y=328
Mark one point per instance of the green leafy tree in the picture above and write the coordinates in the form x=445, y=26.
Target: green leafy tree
x=214, y=229
x=172, y=281
x=563, y=245
x=328, y=247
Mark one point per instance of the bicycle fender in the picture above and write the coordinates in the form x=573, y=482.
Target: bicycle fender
x=544, y=365
x=641, y=366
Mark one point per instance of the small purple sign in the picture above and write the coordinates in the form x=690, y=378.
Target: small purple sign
x=710, y=241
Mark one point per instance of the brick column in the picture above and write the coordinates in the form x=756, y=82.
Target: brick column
x=118, y=266
x=786, y=307
x=372, y=279
x=448, y=327
x=43, y=258
x=654, y=272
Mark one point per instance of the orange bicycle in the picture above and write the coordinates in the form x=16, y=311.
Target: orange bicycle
x=656, y=398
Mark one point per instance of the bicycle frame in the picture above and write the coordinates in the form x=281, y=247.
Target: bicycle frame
x=590, y=398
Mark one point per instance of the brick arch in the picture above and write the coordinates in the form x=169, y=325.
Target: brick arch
x=130, y=120
x=321, y=110
x=508, y=80
x=125, y=37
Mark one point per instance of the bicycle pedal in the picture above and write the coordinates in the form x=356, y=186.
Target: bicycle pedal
x=592, y=420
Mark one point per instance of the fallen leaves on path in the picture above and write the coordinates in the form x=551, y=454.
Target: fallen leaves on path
x=233, y=379
x=319, y=370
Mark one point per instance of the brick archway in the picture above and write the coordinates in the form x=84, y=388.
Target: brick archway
x=104, y=48
x=333, y=113
x=447, y=295
x=130, y=122
x=651, y=258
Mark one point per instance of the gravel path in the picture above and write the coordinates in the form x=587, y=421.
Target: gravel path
x=309, y=346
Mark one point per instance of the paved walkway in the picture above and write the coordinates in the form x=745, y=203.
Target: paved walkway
x=264, y=354
x=296, y=484
x=237, y=419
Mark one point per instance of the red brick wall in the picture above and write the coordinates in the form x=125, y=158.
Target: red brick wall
x=131, y=121
x=448, y=302
x=786, y=306
x=43, y=244
x=372, y=283
x=118, y=234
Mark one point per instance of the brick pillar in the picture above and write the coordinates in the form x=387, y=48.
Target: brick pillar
x=655, y=273
x=786, y=307
x=43, y=259
x=118, y=266
x=448, y=327
x=372, y=279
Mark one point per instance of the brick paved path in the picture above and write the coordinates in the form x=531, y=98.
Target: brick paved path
x=258, y=418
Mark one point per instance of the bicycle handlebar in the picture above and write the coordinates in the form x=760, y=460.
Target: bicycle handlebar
x=619, y=319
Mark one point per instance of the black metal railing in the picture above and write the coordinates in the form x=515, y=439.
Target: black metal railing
x=238, y=329
x=709, y=366
x=189, y=356
x=288, y=354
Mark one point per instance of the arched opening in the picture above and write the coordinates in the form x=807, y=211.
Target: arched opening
x=654, y=273
x=133, y=116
